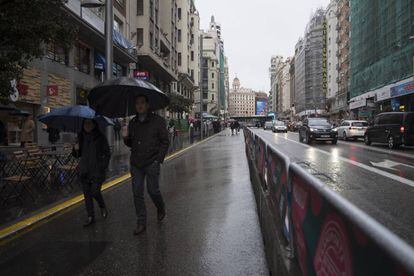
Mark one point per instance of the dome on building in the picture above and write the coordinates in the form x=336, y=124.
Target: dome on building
x=236, y=83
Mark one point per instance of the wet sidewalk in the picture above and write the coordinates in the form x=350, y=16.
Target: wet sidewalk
x=211, y=226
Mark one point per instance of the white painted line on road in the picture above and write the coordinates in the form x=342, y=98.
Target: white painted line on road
x=355, y=163
x=372, y=148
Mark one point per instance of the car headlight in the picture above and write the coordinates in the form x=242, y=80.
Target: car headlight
x=335, y=129
x=313, y=129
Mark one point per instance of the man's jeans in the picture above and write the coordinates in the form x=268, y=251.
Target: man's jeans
x=151, y=173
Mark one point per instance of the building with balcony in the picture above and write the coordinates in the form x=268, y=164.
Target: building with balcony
x=332, y=55
x=188, y=49
x=155, y=32
x=245, y=102
x=275, y=65
x=64, y=77
x=310, y=68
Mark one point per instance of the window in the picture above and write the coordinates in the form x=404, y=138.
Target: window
x=140, y=37
x=212, y=75
x=179, y=13
x=212, y=97
x=118, y=24
x=140, y=7
x=212, y=85
x=82, y=58
x=57, y=53
x=151, y=40
x=179, y=35
x=192, y=55
x=179, y=59
x=212, y=63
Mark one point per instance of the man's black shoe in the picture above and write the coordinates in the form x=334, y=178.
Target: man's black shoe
x=161, y=214
x=140, y=229
x=90, y=221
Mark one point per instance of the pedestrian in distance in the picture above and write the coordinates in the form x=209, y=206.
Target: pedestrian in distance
x=147, y=136
x=94, y=153
x=232, y=127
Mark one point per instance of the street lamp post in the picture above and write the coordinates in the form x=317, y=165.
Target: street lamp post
x=109, y=26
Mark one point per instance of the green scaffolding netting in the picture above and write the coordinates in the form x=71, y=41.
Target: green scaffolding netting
x=381, y=44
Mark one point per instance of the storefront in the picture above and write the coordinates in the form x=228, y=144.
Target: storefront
x=402, y=97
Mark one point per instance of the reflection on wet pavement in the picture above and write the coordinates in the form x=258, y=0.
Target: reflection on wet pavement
x=211, y=226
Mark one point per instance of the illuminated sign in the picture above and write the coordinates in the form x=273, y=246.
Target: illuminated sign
x=142, y=75
x=261, y=105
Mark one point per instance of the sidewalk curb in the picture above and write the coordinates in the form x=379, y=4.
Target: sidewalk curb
x=28, y=224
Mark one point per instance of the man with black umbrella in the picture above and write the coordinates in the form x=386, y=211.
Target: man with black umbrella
x=147, y=136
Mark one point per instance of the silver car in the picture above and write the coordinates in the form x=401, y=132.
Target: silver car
x=279, y=126
x=352, y=129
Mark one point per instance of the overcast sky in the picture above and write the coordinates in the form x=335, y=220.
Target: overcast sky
x=255, y=30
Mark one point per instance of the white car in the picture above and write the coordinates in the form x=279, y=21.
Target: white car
x=352, y=129
x=279, y=126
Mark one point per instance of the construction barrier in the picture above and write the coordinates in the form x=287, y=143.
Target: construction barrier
x=312, y=230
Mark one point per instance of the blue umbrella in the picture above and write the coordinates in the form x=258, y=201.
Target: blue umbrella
x=70, y=118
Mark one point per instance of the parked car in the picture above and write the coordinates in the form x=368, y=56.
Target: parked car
x=268, y=125
x=392, y=128
x=351, y=129
x=279, y=126
x=317, y=129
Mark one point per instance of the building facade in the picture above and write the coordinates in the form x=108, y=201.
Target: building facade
x=64, y=77
x=332, y=61
x=154, y=26
x=188, y=49
x=381, y=55
x=245, y=102
x=213, y=71
x=274, y=70
x=340, y=106
x=310, y=68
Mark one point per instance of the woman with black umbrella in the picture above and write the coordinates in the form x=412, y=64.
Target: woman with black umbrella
x=94, y=153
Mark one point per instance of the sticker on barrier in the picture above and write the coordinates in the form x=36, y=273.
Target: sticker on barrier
x=328, y=243
x=278, y=187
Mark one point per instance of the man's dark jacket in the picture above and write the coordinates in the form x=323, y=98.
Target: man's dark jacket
x=148, y=140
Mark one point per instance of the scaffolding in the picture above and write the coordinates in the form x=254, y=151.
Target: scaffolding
x=382, y=43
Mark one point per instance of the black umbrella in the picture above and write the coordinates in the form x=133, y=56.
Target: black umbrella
x=116, y=98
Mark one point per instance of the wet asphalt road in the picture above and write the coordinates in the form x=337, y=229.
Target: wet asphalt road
x=377, y=180
x=211, y=226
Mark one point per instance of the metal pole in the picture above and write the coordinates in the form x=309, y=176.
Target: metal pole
x=109, y=48
x=201, y=87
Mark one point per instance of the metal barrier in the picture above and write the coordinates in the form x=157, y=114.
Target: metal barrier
x=327, y=235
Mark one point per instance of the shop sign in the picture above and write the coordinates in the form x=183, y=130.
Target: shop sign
x=52, y=90
x=141, y=75
x=383, y=95
x=357, y=104
x=402, y=89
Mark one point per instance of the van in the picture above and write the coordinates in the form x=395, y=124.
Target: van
x=392, y=128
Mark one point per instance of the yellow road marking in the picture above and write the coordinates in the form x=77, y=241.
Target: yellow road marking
x=35, y=219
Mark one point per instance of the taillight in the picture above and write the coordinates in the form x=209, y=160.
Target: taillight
x=402, y=129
